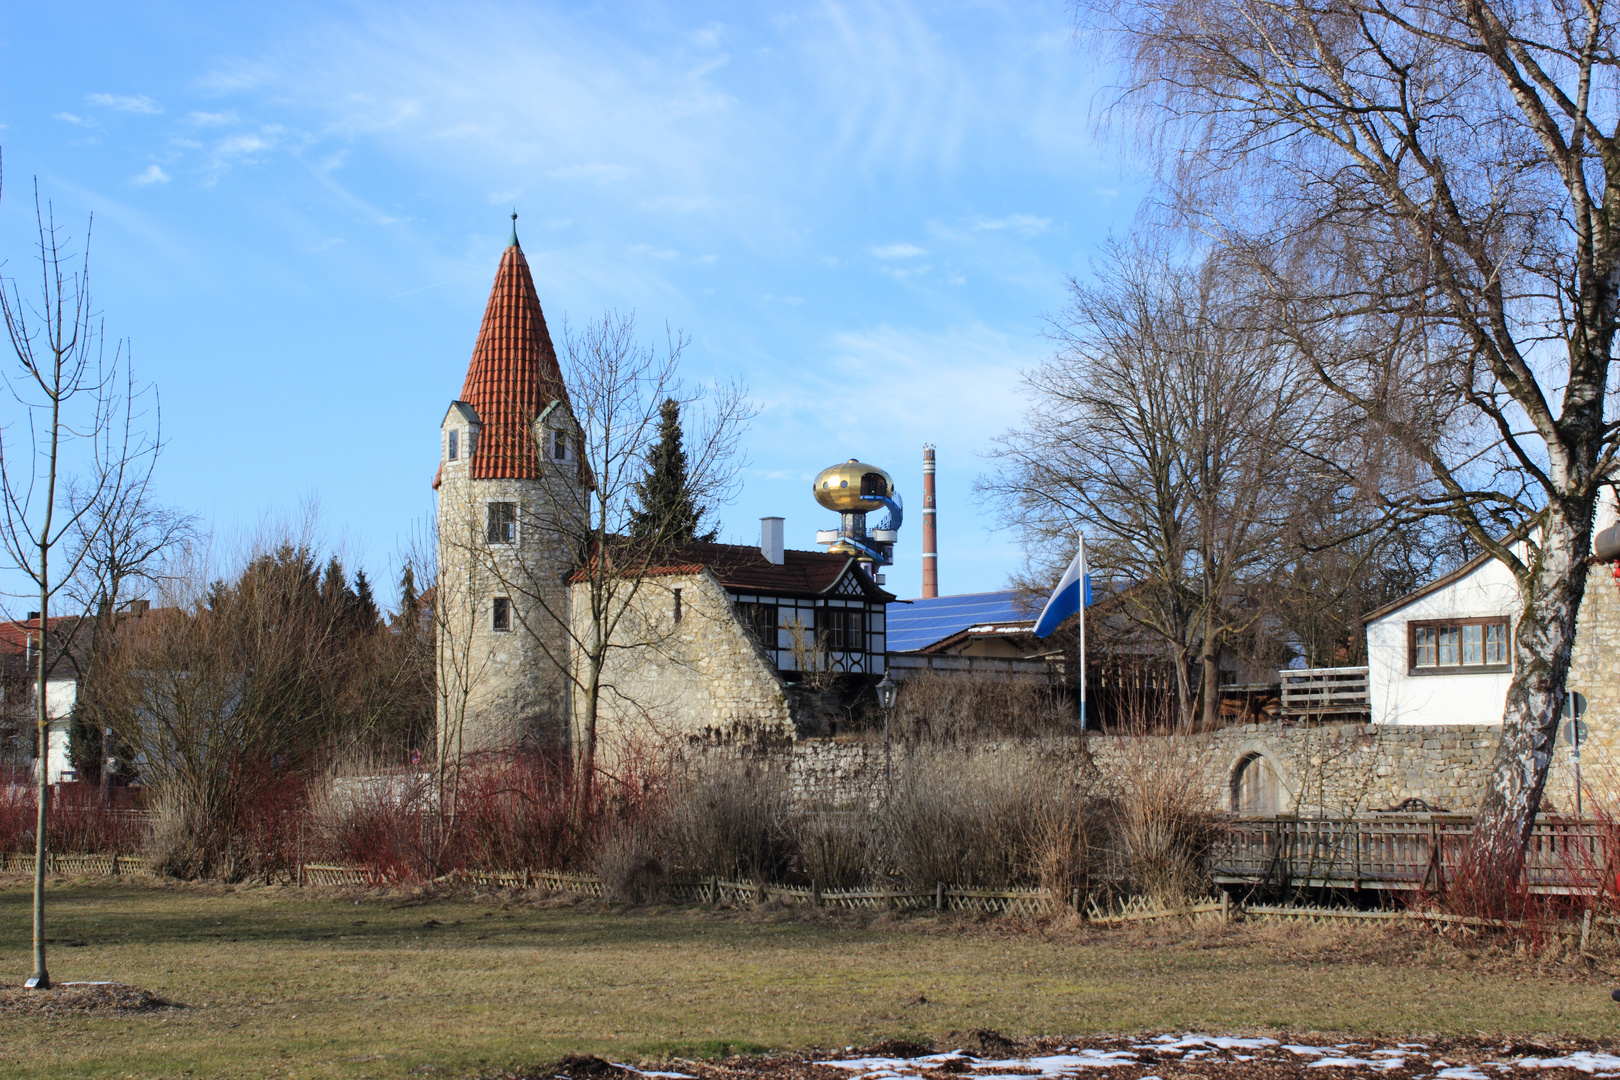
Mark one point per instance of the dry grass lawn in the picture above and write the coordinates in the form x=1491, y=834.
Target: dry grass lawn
x=278, y=982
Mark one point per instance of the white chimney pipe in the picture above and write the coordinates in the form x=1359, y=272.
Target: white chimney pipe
x=770, y=540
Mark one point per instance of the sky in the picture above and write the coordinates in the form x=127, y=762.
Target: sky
x=865, y=211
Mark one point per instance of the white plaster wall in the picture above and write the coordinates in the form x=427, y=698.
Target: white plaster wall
x=60, y=697
x=1398, y=697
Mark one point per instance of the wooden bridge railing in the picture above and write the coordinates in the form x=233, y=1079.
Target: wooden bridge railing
x=1402, y=851
x=1324, y=691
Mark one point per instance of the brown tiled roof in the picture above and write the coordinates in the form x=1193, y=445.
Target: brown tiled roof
x=745, y=568
x=16, y=636
x=513, y=375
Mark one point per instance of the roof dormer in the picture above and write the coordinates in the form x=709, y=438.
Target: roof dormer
x=458, y=433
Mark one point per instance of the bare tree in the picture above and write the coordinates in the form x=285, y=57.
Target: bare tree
x=1165, y=427
x=1430, y=186
x=618, y=389
x=80, y=420
x=122, y=543
x=444, y=623
x=239, y=691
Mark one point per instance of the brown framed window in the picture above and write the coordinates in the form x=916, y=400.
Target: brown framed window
x=1458, y=646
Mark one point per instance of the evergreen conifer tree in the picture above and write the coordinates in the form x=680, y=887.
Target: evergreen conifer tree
x=668, y=513
x=410, y=602
x=364, y=604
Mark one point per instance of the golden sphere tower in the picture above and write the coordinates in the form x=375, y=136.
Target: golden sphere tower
x=855, y=489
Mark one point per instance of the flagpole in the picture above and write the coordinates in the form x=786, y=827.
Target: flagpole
x=1084, y=570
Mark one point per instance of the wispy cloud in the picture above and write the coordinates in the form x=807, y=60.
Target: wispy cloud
x=898, y=251
x=152, y=175
x=241, y=145
x=140, y=104
x=70, y=118
x=1027, y=225
x=210, y=119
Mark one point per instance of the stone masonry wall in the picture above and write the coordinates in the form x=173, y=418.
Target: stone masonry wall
x=502, y=687
x=700, y=680
x=1322, y=769
x=1594, y=672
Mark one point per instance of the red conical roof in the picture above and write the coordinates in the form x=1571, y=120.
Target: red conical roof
x=513, y=375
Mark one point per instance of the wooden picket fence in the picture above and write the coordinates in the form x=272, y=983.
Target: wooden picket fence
x=75, y=865
x=715, y=890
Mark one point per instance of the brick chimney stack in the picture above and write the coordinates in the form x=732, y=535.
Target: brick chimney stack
x=930, y=552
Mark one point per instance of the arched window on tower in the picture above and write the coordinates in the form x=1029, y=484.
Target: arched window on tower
x=1255, y=789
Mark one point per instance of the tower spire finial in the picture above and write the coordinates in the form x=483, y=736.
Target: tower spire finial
x=514, y=241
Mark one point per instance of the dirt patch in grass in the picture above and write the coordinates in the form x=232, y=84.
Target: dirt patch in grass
x=79, y=999
x=1250, y=1056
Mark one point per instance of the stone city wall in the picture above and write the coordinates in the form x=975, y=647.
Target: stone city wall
x=1321, y=769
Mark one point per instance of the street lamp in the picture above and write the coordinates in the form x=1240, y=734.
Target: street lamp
x=888, y=690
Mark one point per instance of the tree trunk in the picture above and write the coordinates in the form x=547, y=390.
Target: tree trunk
x=1212, y=671
x=1553, y=588
x=1212, y=688
x=1186, y=695
x=41, y=979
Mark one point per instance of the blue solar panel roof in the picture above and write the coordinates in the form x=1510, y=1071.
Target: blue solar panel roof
x=923, y=622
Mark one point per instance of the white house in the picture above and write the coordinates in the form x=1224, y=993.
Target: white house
x=1443, y=654
x=19, y=645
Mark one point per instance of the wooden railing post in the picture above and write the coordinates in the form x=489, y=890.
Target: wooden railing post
x=939, y=896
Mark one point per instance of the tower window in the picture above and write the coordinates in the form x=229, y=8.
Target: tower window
x=502, y=522
x=559, y=445
x=472, y=441
x=502, y=615
x=451, y=454
x=677, y=593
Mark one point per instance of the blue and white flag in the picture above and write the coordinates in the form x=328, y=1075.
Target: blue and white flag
x=1073, y=591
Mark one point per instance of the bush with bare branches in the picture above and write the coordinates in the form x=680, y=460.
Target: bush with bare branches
x=986, y=816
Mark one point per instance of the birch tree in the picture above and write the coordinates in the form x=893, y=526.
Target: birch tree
x=1431, y=186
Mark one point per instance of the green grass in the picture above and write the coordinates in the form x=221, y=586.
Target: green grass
x=279, y=983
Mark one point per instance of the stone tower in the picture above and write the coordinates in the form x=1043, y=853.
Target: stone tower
x=509, y=500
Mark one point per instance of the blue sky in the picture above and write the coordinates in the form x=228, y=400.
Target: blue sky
x=863, y=210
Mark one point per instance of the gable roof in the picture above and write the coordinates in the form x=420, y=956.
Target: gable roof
x=1021, y=634
x=513, y=374
x=1434, y=586
x=468, y=414
x=745, y=569
x=920, y=623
